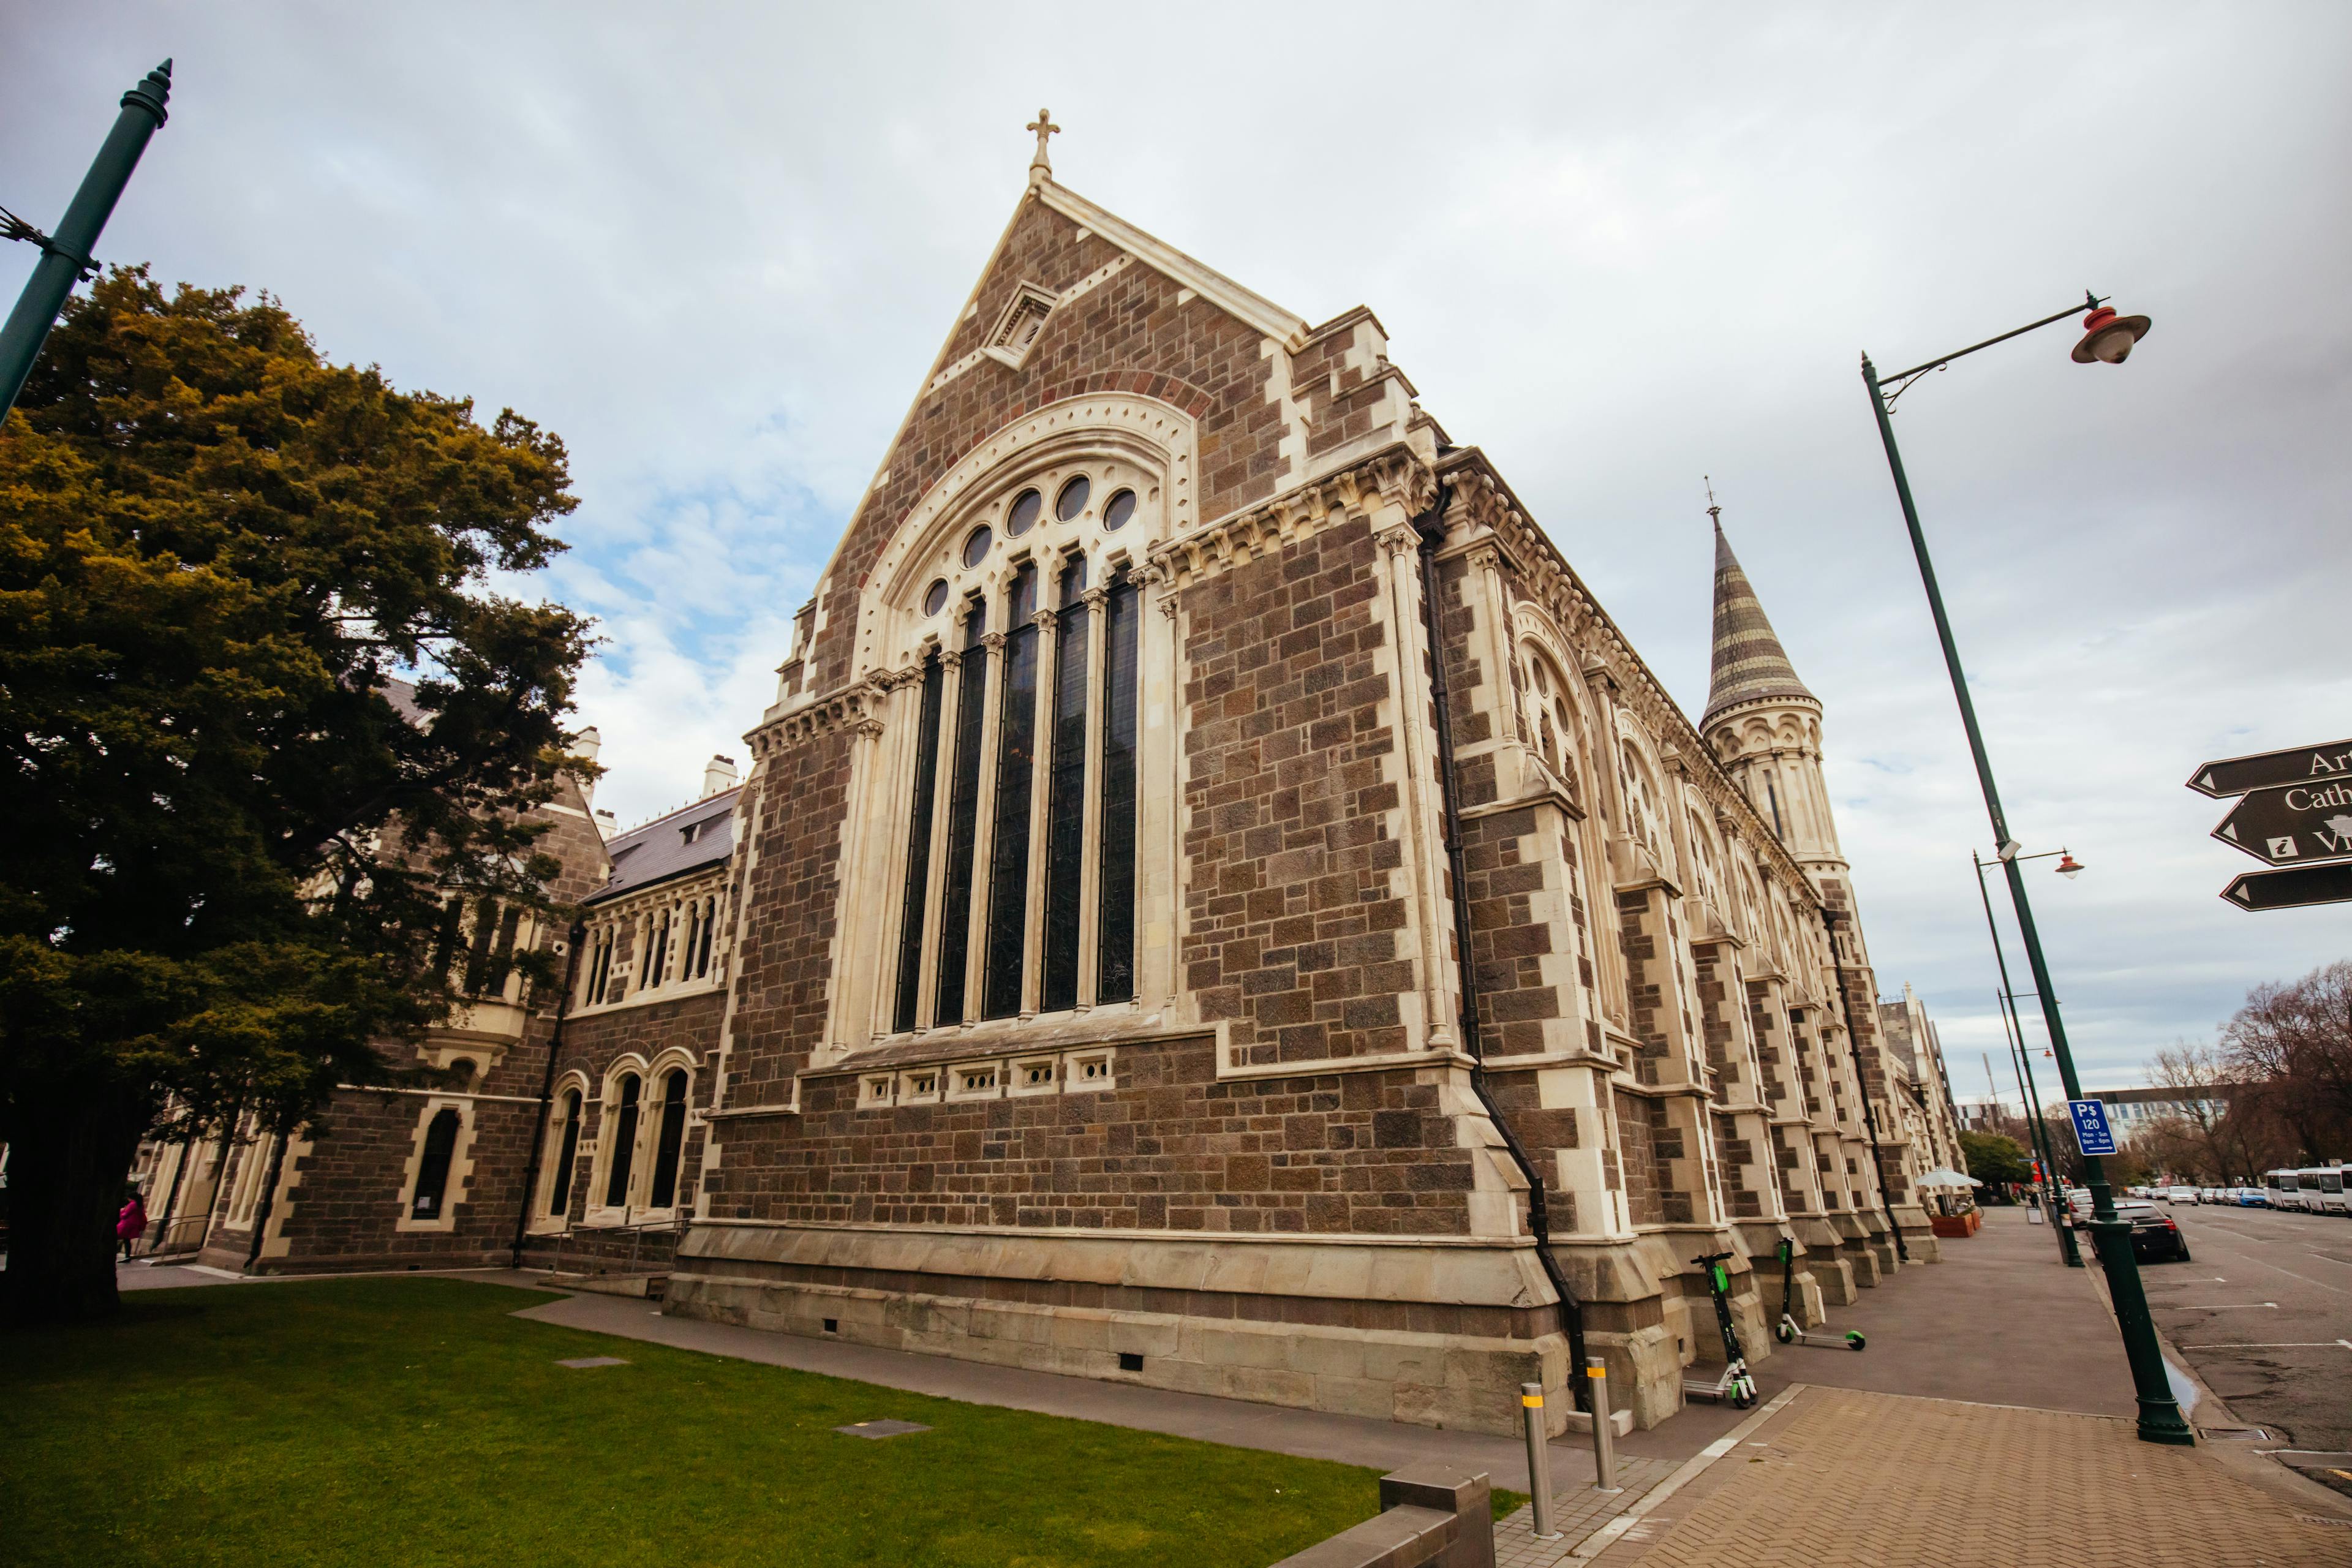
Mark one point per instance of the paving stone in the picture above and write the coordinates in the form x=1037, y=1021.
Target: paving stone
x=586, y=1360
x=1850, y=1477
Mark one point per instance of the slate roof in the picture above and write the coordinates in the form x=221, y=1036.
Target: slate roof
x=1749, y=662
x=661, y=850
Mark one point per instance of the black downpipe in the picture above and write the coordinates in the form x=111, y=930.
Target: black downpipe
x=1830, y=919
x=576, y=937
x=1571, y=1311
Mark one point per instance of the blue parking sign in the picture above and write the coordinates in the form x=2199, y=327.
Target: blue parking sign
x=2091, y=1129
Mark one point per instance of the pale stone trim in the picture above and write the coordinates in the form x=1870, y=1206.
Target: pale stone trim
x=1425, y=890
x=983, y=825
x=1253, y=309
x=1431, y=1057
x=935, y=852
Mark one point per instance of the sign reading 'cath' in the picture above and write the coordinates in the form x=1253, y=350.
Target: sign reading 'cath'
x=2296, y=814
x=2287, y=827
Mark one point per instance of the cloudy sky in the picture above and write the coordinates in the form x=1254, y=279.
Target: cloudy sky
x=715, y=247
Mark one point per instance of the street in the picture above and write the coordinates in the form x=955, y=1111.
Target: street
x=2263, y=1314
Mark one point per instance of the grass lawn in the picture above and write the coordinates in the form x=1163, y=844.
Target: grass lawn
x=411, y=1421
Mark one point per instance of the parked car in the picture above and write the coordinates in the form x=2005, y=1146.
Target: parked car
x=2209, y=1194
x=2156, y=1236
x=2250, y=1198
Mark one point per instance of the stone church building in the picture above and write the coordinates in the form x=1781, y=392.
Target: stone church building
x=1215, y=903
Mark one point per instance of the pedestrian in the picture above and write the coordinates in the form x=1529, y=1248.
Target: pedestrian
x=131, y=1223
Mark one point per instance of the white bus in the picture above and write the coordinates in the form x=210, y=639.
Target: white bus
x=2321, y=1187
x=2286, y=1192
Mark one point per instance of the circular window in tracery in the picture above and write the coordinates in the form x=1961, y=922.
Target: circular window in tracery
x=1121, y=507
x=1023, y=513
x=975, y=546
x=1073, y=499
x=935, y=597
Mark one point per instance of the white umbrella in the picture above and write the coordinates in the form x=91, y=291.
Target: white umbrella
x=1946, y=1179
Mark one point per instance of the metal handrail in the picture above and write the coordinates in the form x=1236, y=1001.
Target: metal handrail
x=636, y=1234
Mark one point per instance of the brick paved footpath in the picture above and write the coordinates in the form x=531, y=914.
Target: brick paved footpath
x=1841, y=1475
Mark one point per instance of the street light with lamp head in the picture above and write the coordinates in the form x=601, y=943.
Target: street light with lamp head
x=2069, y=867
x=2108, y=340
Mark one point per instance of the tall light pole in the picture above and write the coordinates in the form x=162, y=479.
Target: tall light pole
x=66, y=255
x=2067, y=1250
x=2107, y=339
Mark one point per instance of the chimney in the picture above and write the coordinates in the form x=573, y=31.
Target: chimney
x=586, y=745
x=719, y=775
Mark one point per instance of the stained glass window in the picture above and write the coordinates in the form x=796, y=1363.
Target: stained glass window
x=1016, y=767
x=1066, y=813
x=963, y=821
x=919, y=844
x=1114, y=954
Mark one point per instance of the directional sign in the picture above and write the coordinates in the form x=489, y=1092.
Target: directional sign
x=2292, y=890
x=2270, y=770
x=2288, y=826
x=2091, y=1129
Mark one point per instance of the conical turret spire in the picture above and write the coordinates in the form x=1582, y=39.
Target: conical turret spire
x=1749, y=662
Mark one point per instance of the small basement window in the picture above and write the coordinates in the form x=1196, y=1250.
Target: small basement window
x=1130, y=1360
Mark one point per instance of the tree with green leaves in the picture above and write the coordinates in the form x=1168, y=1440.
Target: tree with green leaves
x=266, y=720
x=1994, y=1160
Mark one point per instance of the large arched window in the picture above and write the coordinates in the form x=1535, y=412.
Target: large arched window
x=567, y=1153
x=669, y=1142
x=621, y=1140
x=433, y=1168
x=1016, y=846
x=1022, y=807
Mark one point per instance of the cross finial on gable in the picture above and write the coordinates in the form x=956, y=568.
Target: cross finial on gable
x=1041, y=167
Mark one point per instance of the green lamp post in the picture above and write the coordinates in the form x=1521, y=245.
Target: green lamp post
x=66, y=257
x=2067, y=1251
x=2107, y=339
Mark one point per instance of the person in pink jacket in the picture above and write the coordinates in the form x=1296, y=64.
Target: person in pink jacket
x=131, y=1223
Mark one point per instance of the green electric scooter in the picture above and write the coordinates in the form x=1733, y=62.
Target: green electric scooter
x=1788, y=1333
x=1737, y=1383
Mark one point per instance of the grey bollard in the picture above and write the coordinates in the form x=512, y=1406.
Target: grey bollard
x=1532, y=1405
x=1604, y=1435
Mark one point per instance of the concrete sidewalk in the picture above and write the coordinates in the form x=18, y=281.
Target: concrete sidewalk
x=2000, y=1320
x=1839, y=1477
